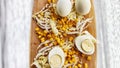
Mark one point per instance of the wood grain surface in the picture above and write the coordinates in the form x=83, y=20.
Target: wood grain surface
x=38, y=4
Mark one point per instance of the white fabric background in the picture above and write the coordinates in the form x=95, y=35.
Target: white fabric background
x=15, y=19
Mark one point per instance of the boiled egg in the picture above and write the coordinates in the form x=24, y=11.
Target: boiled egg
x=63, y=7
x=82, y=6
x=56, y=57
x=84, y=44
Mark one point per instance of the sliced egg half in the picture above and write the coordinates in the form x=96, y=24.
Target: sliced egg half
x=56, y=57
x=83, y=6
x=84, y=44
x=63, y=7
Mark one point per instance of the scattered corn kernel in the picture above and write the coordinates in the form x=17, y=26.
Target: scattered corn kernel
x=46, y=44
x=71, y=38
x=48, y=35
x=73, y=60
x=39, y=32
x=76, y=20
x=70, y=67
x=69, y=56
x=39, y=36
x=73, y=52
x=70, y=25
x=65, y=34
x=66, y=62
x=73, y=56
x=63, y=29
x=58, y=40
x=75, y=67
x=79, y=65
x=89, y=58
x=45, y=31
x=65, y=50
x=49, y=1
x=42, y=39
x=51, y=39
x=37, y=29
x=42, y=13
x=70, y=61
x=60, y=43
x=70, y=53
x=85, y=65
x=55, y=43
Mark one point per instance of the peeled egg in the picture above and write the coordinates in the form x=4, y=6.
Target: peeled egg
x=63, y=7
x=84, y=44
x=82, y=6
x=56, y=57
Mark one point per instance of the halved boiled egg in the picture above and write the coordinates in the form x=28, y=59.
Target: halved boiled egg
x=82, y=6
x=56, y=57
x=63, y=7
x=84, y=44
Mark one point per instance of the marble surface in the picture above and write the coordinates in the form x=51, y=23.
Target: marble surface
x=15, y=19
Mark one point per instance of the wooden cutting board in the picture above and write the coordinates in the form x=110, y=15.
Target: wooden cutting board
x=34, y=42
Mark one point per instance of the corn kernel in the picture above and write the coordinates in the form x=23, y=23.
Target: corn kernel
x=73, y=52
x=42, y=13
x=48, y=35
x=46, y=44
x=45, y=31
x=63, y=29
x=79, y=65
x=71, y=39
x=39, y=36
x=66, y=26
x=60, y=44
x=65, y=54
x=70, y=25
x=53, y=18
x=72, y=49
x=73, y=56
x=69, y=67
x=69, y=56
x=75, y=67
x=62, y=41
x=39, y=32
x=73, y=59
x=62, y=20
x=51, y=39
x=85, y=65
x=76, y=20
x=42, y=39
x=70, y=61
x=55, y=43
x=37, y=29
x=49, y=1
x=66, y=62
x=65, y=34
x=58, y=40
x=65, y=50
x=89, y=58
x=70, y=53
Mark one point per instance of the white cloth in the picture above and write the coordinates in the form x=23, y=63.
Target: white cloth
x=15, y=32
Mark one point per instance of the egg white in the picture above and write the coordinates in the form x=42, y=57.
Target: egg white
x=57, y=51
x=78, y=43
